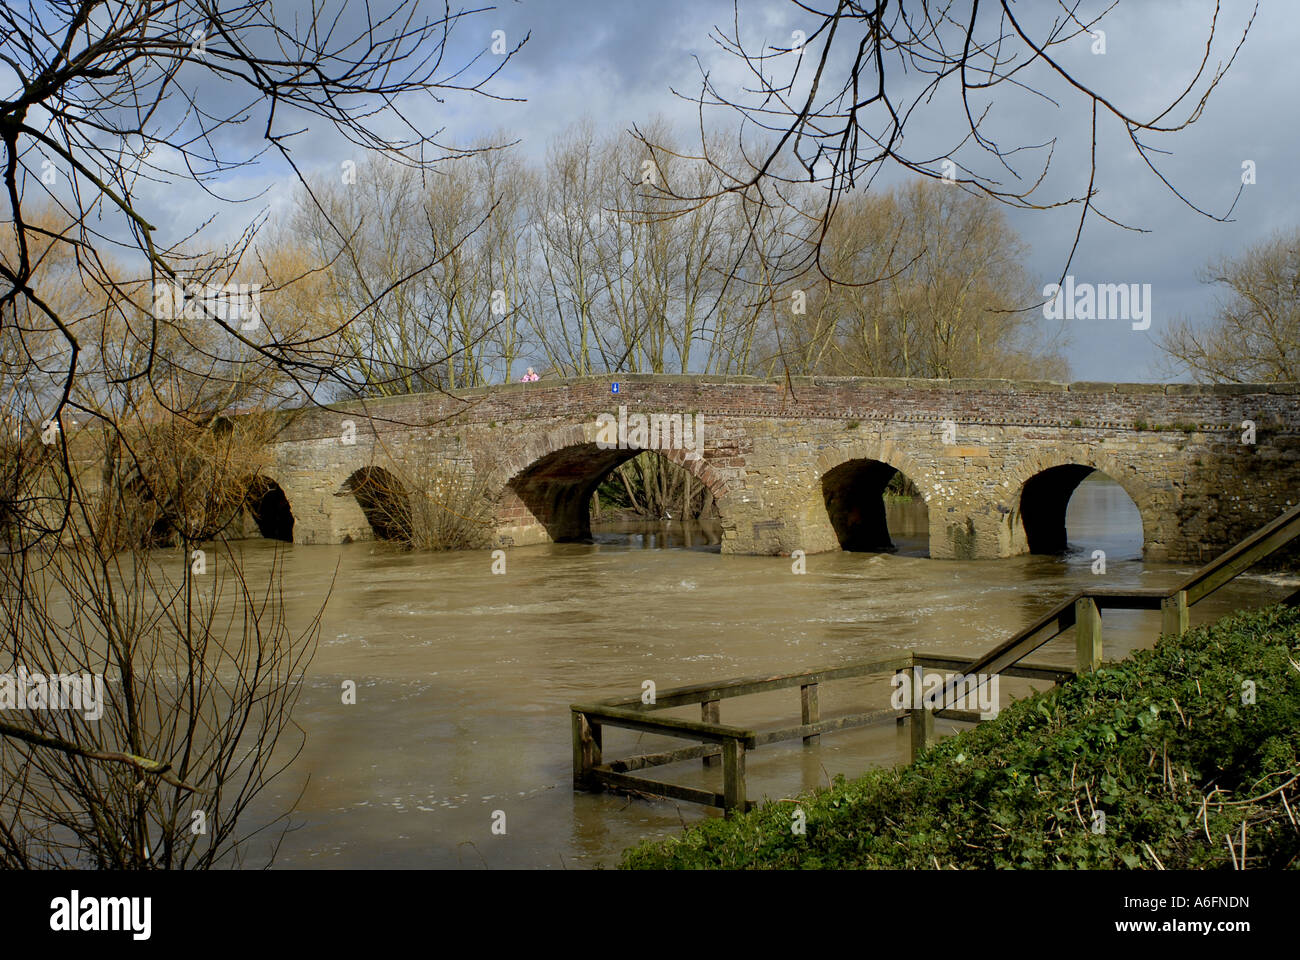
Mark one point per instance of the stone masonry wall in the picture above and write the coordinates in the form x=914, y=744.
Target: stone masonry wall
x=1177, y=450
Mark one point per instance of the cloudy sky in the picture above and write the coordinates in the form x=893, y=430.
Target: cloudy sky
x=617, y=62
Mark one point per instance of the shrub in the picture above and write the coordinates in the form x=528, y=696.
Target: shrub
x=1161, y=744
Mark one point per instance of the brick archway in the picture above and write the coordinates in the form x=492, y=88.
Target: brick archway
x=542, y=493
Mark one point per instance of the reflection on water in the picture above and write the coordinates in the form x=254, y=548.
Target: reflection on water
x=464, y=678
x=660, y=534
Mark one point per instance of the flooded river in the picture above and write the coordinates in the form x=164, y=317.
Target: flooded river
x=464, y=677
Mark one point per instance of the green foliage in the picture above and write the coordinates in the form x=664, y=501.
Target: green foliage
x=1161, y=743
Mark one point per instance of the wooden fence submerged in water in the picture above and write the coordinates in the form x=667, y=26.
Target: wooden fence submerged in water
x=714, y=740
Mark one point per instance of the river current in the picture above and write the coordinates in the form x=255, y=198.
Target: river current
x=464, y=677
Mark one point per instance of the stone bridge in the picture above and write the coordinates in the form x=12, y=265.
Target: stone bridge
x=800, y=464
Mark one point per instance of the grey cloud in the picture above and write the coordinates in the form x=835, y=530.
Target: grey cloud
x=616, y=62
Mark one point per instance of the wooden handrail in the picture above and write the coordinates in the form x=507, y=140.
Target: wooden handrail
x=1219, y=571
x=1237, y=559
x=744, y=686
x=646, y=723
x=1013, y=650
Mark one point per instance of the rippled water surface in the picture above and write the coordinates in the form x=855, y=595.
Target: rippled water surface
x=464, y=678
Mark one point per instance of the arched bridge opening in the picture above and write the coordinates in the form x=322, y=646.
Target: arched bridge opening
x=269, y=509
x=875, y=508
x=384, y=500
x=1074, y=506
x=652, y=501
x=566, y=490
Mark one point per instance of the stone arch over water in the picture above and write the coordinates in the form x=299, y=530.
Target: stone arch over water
x=383, y=499
x=269, y=507
x=854, y=492
x=544, y=492
x=1045, y=488
x=849, y=500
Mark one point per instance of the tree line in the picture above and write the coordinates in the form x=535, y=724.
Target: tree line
x=588, y=262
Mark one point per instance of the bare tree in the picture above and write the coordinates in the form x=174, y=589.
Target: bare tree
x=571, y=223
x=1254, y=335
x=132, y=339
x=626, y=281
x=830, y=109
x=94, y=105
x=947, y=308
x=197, y=669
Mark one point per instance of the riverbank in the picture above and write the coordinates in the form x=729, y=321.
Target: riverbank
x=1185, y=756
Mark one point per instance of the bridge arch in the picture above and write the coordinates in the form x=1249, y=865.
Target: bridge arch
x=269, y=508
x=543, y=492
x=853, y=479
x=1041, y=487
x=383, y=499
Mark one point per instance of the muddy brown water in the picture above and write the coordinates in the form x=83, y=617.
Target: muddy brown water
x=464, y=678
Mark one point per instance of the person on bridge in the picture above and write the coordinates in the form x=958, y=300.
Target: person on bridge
x=529, y=376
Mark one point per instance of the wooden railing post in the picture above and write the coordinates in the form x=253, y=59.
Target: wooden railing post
x=809, y=711
x=922, y=729
x=1173, y=614
x=733, y=775
x=710, y=712
x=586, y=748
x=1087, y=635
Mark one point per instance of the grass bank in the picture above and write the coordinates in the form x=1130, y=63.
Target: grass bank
x=1190, y=751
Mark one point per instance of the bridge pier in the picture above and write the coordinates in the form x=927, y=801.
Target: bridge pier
x=312, y=473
